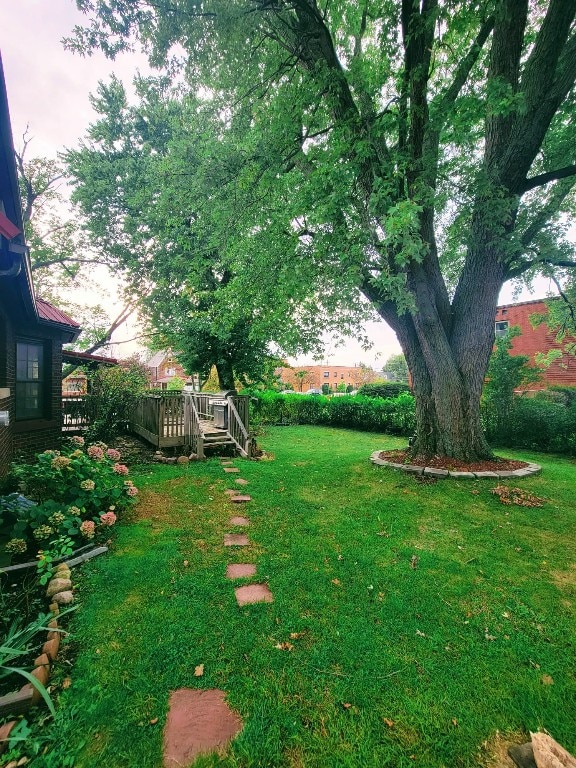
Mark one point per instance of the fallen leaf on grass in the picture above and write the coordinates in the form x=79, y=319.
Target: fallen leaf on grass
x=284, y=646
x=185, y=563
x=346, y=705
x=67, y=682
x=414, y=560
x=336, y=581
x=547, y=680
x=296, y=635
x=389, y=723
x=420, y=634
x=154, y=721
x=199, y=670
x=455, y=722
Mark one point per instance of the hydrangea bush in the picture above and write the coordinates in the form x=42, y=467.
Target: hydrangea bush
x=72, y=494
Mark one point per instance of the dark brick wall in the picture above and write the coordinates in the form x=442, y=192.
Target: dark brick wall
x=23, y=439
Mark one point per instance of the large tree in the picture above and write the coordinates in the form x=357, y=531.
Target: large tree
x=421, y=151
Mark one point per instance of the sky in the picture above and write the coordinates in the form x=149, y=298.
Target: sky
x=48, y=90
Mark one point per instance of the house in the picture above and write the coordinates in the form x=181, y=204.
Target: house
x=32, y=331
x=163, y=368
x=76, y=382
x=534, y=339
x=305, y=377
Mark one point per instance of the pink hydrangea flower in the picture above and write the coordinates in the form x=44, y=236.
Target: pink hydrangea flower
x=113, y=454
x=77, y=440
x=120, y=469
x=132, y=490
x=95, y=452
x=108, y=518
x=87, y=529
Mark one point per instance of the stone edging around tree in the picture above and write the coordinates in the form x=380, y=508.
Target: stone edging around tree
x=530, y=469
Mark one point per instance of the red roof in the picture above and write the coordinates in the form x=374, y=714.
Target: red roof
x=52, y=314
x=77, y=357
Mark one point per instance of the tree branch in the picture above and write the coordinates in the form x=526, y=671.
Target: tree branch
x=546, y=178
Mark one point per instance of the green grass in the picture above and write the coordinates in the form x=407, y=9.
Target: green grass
x=450, y=652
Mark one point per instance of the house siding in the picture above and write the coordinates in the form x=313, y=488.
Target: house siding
x=562, y=372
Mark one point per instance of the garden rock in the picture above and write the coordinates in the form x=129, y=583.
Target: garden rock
x=549, y=754
x=64, y=598
x=182, y=460
x=58, y=585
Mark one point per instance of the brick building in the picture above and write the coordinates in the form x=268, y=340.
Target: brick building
x=305, y=377
x=163, y=367
x=562, y=371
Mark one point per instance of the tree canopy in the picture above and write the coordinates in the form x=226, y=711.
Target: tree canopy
x=418, y=153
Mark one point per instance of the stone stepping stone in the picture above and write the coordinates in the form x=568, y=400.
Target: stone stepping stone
x=240, y=571
x=239, y=521
x=198, y=722
x=241, y=481
x=236, y=540
x=253, y=593
x=239, y=499
x=231, y=469
x=226, y=463
x=231, y=492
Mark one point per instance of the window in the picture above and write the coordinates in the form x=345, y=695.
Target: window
x=30, y=382
x=335, y=374
x=326, y=374
x=170, y=371
x=501, y=328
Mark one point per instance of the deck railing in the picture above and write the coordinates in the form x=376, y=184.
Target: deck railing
x=238, y=426
x=176, y=420
x=74, y=416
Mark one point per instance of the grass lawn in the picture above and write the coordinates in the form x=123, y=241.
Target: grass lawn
x=429, y=618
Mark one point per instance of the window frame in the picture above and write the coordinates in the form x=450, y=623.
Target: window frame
x=23, y=414
x=501, y=328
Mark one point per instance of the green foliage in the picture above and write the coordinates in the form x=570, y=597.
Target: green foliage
x=537, y=424
x=506, y=374
x=78, y=494
x=396, y=368
x=176, y=384
x=113, y=394
x=393, y=416
x=385, y=389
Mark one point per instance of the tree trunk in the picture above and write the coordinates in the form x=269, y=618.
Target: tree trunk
x=225, y=374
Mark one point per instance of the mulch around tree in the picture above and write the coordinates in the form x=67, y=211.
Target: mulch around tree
x=454, y=465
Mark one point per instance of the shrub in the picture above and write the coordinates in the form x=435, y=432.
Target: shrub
x=386, y=389
x=539, y=424
x=114, y=393
x=74, y=494
x=395, y=416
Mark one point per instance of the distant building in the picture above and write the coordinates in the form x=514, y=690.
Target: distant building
x=562, y=372
x=163, y=368
x=304, y=377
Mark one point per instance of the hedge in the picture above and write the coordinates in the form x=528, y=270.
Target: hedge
x=537, y=423
x=394, y=416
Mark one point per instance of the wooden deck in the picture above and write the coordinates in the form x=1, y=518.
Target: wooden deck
x=172, y=421
x=188, y=421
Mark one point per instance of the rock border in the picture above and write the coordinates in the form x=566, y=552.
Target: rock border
x=531, y=469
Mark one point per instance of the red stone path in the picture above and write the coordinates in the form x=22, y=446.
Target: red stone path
x=198, y=721
x=240, y=570
x=239, y=521
x=201, y=721
x=253, y=593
